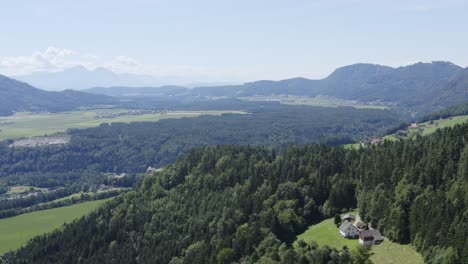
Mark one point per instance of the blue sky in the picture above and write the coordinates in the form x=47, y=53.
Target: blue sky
x=229, y=40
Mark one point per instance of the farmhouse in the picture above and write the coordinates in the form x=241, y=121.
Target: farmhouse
x=414, y=126
x=370, y=237
x=348, y=230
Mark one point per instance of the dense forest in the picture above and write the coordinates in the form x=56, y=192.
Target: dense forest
x=131, y=148
x=240, y=203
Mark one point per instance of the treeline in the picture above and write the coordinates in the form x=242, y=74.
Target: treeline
x=247, y=204
x=133, y=147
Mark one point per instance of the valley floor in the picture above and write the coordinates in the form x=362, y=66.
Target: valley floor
x=39, y=124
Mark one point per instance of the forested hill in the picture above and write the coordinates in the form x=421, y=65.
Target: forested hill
x=233, y=203
x=17, y=96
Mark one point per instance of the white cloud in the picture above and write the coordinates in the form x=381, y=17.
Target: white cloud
x=55, y=59
x=50, y=60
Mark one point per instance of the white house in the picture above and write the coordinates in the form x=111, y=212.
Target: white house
x=348, y=230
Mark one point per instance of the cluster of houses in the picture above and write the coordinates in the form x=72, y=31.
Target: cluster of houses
x=350, y=228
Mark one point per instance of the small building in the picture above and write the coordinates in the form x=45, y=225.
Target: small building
x=150, y=170
x=360, y=226
x=348, y=217
x=102, y=187
x=376, y=141
x=414, y=126
x=348, y=230
x=370, y=237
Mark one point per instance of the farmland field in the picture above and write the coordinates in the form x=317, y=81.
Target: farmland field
x=429, y=127
x=16, y=231
x=315, y=101
x=39, y=124
x=326, y=233
x=442, y=123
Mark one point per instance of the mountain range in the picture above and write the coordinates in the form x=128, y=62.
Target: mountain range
x=79, y=77
x=421, y=87
x=416, y=89
x=16, y=96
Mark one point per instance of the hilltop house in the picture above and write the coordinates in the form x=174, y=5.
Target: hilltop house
x=370, y=237
x=348, y=230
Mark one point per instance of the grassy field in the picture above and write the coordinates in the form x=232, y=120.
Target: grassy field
x=315, y=101
x=352, y=146
x=16, y=231
x=448, y=122
x=24, y=188
x=77, y=195
x=430, y=127
x=394, y=253
x=30, y=125
x=326, y=233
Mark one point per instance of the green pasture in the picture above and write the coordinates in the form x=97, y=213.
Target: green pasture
x=39, y=124
x=18, y=230
x=315, y=101
x=326, y=233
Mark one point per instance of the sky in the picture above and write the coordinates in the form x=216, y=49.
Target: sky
x=224, y=40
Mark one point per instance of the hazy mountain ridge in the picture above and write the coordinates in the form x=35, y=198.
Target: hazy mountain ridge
x=416, y=88
x=79, y=78
x=16, y=96
x=420, y=88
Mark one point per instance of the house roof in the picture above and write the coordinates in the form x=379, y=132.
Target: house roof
x=345, y=225
x=374, y=234
x=367, y=234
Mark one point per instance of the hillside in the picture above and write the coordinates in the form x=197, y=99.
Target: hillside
x=16, y=96
x=455, y=91
x=232, y=203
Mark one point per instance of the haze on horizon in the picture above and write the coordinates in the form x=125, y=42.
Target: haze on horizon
x=210, y=41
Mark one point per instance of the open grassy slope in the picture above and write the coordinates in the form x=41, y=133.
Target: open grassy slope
x=16, y=231
x=29, y=124
x=326, y=233
x=443, y=123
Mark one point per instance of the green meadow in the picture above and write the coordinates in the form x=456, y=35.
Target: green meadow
x=430, y=127
x=443, y=123
x=326, y=233
x=39, y=124
x=315, y=101
x=18, y=230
